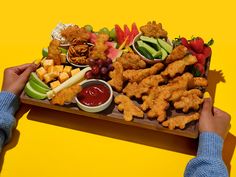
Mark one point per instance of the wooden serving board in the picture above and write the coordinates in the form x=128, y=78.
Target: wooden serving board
x=112, y=114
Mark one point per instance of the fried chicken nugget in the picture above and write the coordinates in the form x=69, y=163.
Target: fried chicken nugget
x=178, y=83
x=116, y=77
x=137, y=90
x=177, y=94
x=54, y=51
x=159, y=106
x=126, y=105
x=189, y=100
x=131, y=61
x=152, y=29
x=66, y=95
x=199, y=82
x=140, y=74
x=178, y=66
x=180, y=121
x=178, y=53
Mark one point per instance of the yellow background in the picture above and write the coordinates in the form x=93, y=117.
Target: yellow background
x=53, y=144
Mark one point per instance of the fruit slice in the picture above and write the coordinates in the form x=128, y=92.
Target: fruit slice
x=165, y=45
x=35, y=78
x=33, y=93
x=37, y=87
x=113, y=53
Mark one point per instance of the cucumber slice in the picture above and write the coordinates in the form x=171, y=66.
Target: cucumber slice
x=148, y=48
x=164, y=54
x=151, y=41
x=145, y=52
x=165, y=45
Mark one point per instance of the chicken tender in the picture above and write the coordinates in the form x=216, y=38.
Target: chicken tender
x=178, y=53
x=177, y=94
x=54, y=51
x=140, y=74
x=75, y=34
x=188, y=101
x=116, y=77
x=180, y=121
x=152, y=29
x=98, y=51
x=137, y=90
x=178, y=66
x=126, y=105
x=131, y=61
x=199, y=82
x=159, y=106
x=66, y=95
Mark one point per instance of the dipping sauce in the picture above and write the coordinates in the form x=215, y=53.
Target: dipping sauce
x=94, y=95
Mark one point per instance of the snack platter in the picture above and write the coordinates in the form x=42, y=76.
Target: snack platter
x=130, y=44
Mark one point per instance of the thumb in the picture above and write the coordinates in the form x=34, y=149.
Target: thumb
x=207, y=105
x=25, y=75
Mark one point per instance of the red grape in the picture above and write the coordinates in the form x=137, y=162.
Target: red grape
x=89, y=75
x=100, y=62
x=104, y=70
x=95, y=70
x=109, y=61
x=91, y=62
x=110, y=67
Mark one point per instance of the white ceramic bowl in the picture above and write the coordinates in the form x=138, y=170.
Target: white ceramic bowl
x=95, y=108
x=143, y=57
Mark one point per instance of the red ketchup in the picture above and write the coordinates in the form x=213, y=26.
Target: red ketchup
x=94, y=95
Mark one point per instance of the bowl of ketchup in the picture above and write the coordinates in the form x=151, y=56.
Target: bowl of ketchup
x=96, y=95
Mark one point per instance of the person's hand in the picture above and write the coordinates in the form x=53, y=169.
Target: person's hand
x=16, y=77
x=213, y=119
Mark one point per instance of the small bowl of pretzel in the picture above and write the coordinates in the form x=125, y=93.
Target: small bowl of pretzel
x=78, y=55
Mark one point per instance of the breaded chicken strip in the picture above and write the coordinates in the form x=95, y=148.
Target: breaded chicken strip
x=131, y=61
x=178, y=66
x=178, y=53
x=116, y=77
x=54, y=51
x=126, y=105
x=140, y=74
x=137, y=90
x=180, y=121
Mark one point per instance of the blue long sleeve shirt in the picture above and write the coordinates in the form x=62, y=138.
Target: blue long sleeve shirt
x=208, y=162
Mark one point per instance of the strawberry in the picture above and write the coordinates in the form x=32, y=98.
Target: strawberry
x=197, y=44
x=200, y=67
x=206, y=51
x=184, y=42
x=201, y=58
x=192, y=52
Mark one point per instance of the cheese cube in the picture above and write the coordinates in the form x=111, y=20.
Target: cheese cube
x=63, y=77
x=67, y=69
x=58, y=68
x=74, y=71
x=54, y=84
x=47, y=63
x=63, y=58
x=50, y=69
x=50, y=76
x=41, y=72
